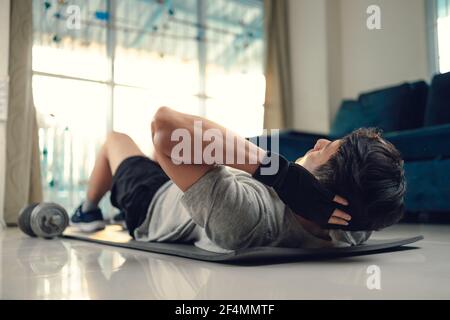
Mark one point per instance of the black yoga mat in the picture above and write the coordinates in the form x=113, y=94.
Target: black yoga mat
x=115, y=236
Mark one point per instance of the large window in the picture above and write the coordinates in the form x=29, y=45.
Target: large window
x=442, y=16
x=102, y=65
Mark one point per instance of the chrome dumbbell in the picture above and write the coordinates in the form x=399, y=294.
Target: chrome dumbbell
x=44, y=220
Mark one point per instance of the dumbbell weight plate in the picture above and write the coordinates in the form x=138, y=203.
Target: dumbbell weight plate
x=24, y=219
x=48, y=220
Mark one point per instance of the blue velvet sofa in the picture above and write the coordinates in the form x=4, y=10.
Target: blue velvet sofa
x=415, y=117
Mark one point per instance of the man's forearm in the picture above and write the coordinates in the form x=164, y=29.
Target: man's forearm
x=197, y=135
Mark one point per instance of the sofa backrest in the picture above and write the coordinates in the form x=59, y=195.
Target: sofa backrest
x=392, y=109
x=349, y=117
x=414, y=113
x=438, y=105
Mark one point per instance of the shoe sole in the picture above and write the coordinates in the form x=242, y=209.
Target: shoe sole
x=89, y=227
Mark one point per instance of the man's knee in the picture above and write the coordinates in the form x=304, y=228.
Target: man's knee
x=118, y=141
x=115, y=136
x=118, y=147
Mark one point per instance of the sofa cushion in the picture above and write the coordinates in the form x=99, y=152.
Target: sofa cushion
x=438, y=107
x=349, y=117
x=422, y=144
x=392, y=109
x=428, y=187
x=413, y=113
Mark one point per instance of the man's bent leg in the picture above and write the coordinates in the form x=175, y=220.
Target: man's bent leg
x=88, y=217
x=117, y=148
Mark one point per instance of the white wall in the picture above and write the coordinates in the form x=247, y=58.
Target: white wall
x=4, y=54
x=309, y=64
x=334, y=55
x=396, y=53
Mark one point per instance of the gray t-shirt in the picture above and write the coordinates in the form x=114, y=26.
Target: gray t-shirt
x=227, y=210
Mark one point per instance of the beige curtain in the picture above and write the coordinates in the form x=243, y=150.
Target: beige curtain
x=23, y=181
x=278, y=102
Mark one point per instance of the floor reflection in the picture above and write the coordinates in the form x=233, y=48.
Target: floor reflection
x=123, y=275
x=75, y=270
x=67, y=269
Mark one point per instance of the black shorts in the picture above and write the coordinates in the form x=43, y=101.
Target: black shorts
x=134, y=184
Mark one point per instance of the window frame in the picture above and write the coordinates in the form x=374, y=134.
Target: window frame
x=432, y=40
x=432, y=15
x=111, y=83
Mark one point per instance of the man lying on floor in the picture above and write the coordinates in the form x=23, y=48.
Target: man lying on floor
x=230, y=206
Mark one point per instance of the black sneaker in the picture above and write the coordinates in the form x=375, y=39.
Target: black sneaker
x=119, y=219
x=90, y=221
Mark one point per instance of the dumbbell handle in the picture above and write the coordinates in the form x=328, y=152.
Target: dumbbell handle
x=55, y=220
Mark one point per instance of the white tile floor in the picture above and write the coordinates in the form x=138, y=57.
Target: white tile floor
x=68, y=269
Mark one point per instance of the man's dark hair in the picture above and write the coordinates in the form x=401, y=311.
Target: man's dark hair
x=368, y=172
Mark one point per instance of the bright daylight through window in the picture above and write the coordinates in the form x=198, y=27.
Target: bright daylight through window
x=443, y=34
x=124, y=58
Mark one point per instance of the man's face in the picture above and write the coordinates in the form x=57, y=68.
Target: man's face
x=319, y=155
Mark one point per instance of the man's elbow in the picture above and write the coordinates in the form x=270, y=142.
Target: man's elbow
x=162, y=119
x=162, y=127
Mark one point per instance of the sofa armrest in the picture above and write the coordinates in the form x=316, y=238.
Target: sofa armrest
x=292, y=144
